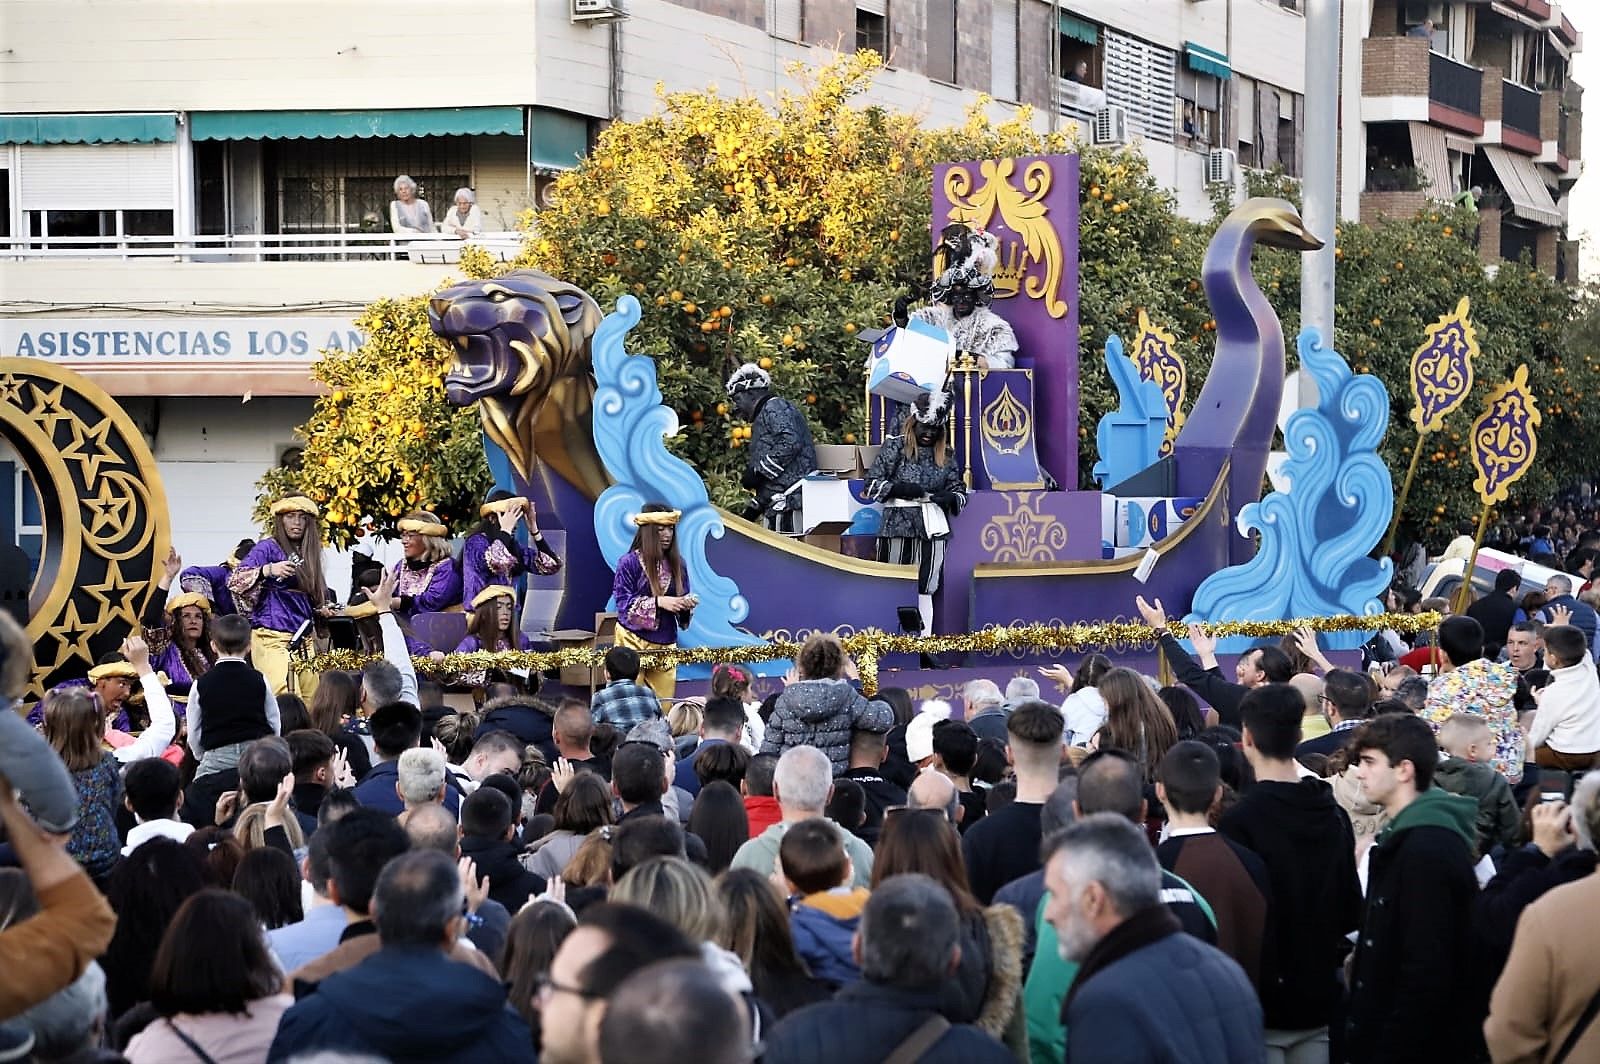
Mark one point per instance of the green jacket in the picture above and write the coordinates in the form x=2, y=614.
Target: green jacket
x=1498, y=820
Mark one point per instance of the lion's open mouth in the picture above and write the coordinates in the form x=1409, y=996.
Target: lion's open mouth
x=472, y=369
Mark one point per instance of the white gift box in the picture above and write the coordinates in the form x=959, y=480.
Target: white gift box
x=909, y=362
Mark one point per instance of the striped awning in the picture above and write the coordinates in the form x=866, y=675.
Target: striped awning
x=1205, y=60
x=1432, y=159
x=1079, y=30
x=351, y=125
x=1529, y=197
x=89, y=129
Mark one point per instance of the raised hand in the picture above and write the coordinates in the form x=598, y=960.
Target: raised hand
x=561, y=775
x=1153, y=613
x=171, y=567
x=137, y=651
x=475, y=889
x=382, y=596
x=1058, y=673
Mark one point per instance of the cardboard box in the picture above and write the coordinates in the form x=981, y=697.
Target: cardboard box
x=908, y=362
x=1142, y=521
x=845, y=460
x=826, y=535
x=567, y=638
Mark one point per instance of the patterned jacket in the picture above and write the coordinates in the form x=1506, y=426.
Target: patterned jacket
x=822, y=713
x=892, y=467
x=1486, y=689
x=781, y=452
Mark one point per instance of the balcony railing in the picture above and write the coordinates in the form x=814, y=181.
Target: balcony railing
x=1519, y=109
x=271, y=247
x=1458, y=86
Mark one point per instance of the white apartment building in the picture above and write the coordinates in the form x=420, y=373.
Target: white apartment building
x=194, y=196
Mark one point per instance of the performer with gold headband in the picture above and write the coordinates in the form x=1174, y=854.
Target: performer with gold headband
x=426, y=580
x=492, y=554
x=279, y=587
x=178, y=631
x=491, y=626
x=652, y=593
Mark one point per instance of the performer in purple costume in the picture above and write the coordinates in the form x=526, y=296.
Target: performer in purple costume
x=652, y=593
x=492, y=627
x=492, y=554
x=427, y=580
x=178, y=632
x=280, y=584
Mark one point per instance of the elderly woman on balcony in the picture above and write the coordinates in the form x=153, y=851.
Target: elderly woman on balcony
x=464, y=219
x=407, y=213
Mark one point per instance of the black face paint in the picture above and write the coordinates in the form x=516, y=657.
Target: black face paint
x=963, y=301
x=927, y=435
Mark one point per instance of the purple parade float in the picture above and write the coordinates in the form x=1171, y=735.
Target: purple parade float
x=576, y=423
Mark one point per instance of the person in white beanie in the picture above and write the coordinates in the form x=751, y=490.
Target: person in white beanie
x=919, y=733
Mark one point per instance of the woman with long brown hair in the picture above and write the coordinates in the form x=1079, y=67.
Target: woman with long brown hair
x=426, y=579
x=492, y=623
x=652, y=592
x=918, y=479
x=986, y=988
x=333, y=708
x=279, y=586
x=1137, y=721
x=178, y=631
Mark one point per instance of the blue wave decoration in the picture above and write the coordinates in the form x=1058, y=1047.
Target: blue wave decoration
x=1316, y=537
x=630, y=430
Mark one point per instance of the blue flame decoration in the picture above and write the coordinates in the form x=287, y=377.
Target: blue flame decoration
x=1315, y=537
x=630, y=429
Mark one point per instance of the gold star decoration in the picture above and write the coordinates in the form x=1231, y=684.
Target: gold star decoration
x=116, y=595
x=88, y=460
x=48, y=411
x=74, y=636
x=11, y=390
x=107, y=508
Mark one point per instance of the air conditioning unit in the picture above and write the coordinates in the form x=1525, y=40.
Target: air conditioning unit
x=1221, y=166
x=596, y=11
x=1110, y=126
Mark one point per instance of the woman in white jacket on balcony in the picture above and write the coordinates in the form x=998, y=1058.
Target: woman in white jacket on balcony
x=464, y=220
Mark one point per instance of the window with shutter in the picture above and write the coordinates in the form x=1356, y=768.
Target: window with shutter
x=97, y=176
x=941, y=40
x=785, y=18
x=1003, y=51
x=1267, y=126
x=1141, y=78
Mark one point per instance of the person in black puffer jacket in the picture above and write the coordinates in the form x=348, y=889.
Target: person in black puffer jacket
x=822, y=709
x=524, y=716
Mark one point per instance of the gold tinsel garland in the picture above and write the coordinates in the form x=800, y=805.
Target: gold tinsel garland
x=867, y=646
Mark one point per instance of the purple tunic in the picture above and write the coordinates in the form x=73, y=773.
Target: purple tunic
x=636, y=603
x=212, y=582
x=486, y=561
x=429, y=589
x=471, y=645
x=165, y=654
x=274, y=603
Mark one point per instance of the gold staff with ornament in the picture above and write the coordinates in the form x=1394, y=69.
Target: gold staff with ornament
x=1441, y=380
x=1505, y=440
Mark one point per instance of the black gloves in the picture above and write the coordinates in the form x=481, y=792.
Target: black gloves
x=752, y=512
x=905, y=489
x=902, y=306
x=946, y=501
x=751, y=479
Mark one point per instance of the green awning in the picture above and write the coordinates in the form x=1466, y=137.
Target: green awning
x=1207, y=61
x=1079, y=30
x=559, y=139
x=88, y=129
x=350, y=125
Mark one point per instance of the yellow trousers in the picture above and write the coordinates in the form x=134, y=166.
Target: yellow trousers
x=662, y=681
x=269, y=653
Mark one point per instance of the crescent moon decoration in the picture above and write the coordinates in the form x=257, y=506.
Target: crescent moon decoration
x=104, y=513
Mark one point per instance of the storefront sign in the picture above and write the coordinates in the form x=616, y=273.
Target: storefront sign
x=184, y=341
